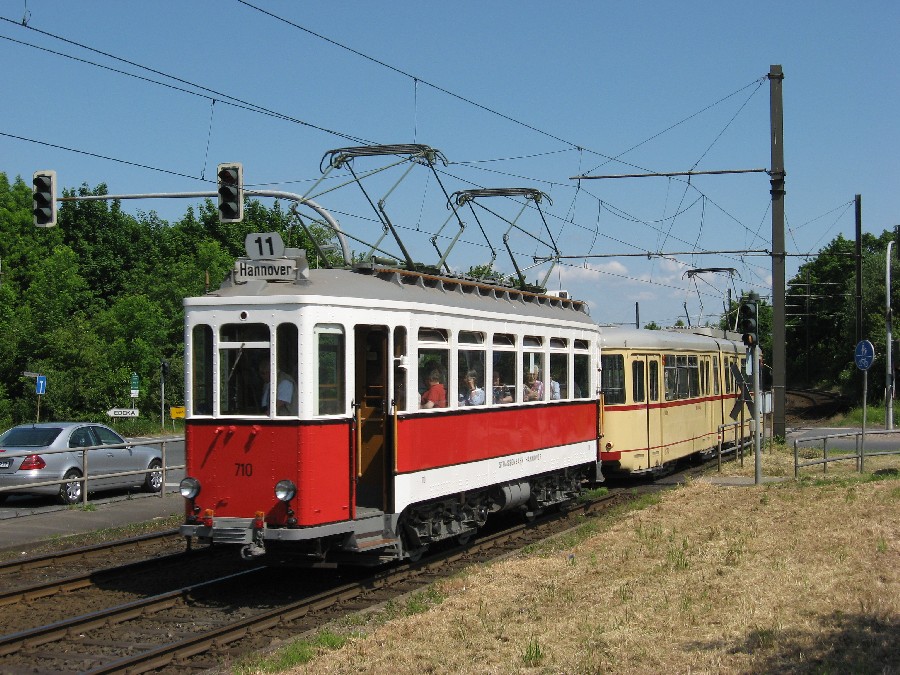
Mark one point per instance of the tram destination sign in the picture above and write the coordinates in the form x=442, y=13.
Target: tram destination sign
x=280, y=269
x=123, y=412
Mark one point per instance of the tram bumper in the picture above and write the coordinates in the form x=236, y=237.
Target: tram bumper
x=223, y=531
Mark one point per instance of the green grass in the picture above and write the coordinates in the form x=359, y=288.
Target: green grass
x=295, y=653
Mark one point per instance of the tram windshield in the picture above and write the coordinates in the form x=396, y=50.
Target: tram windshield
x=250, y=382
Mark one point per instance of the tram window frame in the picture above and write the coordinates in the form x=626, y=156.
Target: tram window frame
x=503, y=366
x=638, y=390
x=693, y=376
x=286, y=363
x=202, y=370
x=716, y=388
x=533, y=365
x=654, y=379
x=581, y=370
x=469, y=360
x=670, y=376
x=336, y=404
x=401, y=369
x=433, y=355
x=559, y=374
x=242, y=348
x=702, y=372
x=612, y=378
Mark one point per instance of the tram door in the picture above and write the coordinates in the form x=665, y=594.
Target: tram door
x=371, y=395
x=654, y=410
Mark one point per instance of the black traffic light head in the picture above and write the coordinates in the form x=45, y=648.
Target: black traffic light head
x=231, y=193
x=43, y=205
x=750, y=322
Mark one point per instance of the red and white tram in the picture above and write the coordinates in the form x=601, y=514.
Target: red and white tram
x=316, y=425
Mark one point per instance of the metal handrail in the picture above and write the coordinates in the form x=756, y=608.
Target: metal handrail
x=859, y=455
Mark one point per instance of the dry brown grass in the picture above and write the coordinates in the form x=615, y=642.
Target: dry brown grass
x=792, y=577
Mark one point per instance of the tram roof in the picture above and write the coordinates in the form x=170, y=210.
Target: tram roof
x=388, y=285
x=634, y=338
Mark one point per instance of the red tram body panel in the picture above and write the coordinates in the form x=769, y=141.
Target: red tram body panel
x=239, y=464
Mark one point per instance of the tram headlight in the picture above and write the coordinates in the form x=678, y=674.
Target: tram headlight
x=285, y=490
x=189, y=487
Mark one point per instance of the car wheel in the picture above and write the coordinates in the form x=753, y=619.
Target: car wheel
x=70, y=493
x=153, y=481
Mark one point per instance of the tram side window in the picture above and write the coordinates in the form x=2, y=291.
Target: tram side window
x=504, y=369
x=470, y=366
x=286, y=359
x=637, y=381
x=533, y=371
x=202, y=370
x=401, y=372
x=581, y=376
x=434, y=363
x=243, y=356
x=693, y=376
x=729, y=376
x=330, y=370
x=716, y=375
x=670, y=375
x=613, y=377
x=559, y=376
x=654, y=380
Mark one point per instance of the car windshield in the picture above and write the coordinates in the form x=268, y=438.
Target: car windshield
x=30, y=437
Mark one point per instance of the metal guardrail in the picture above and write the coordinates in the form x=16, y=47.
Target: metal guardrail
x=162, y=442
x=860, y=454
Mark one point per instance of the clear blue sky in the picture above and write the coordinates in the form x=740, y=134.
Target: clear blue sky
x=514, y=94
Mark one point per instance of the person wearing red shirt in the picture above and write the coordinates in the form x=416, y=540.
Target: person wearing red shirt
x=435, y=396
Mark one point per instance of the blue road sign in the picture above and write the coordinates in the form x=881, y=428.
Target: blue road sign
x=40, y=385
x=865, y=355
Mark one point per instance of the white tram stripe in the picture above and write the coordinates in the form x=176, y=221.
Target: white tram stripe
x=433, y=483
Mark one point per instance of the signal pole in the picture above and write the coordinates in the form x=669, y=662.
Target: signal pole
x=776, y=174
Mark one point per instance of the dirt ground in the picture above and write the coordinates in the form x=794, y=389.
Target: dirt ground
x=796, y=577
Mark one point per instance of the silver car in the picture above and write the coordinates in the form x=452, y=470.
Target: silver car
x=24, y=458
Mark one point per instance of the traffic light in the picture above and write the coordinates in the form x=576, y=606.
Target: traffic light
x=231, y=193
x=43, y=204
x=164, y=369
x=750, y=320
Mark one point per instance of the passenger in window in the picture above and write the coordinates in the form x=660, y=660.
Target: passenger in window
x=534, y=387
x=436, y=395
x=502, y=393
x=555, y=393
x=286, y=398
x=471, y=392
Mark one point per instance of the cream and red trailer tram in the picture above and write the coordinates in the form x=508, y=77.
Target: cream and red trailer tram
x=666, y=395
x=365, y=414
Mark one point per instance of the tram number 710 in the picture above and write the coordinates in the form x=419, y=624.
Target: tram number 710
x=243, y=470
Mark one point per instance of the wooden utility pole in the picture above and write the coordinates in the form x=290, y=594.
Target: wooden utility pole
x=776, y=174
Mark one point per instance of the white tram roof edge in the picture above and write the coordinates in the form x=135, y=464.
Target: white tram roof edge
x=705, y=339
x=404, y=290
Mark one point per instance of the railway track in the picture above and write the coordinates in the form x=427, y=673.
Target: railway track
x=17, y=573
x=220, y=614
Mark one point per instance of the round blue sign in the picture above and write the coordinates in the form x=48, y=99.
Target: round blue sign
x=865, y=355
